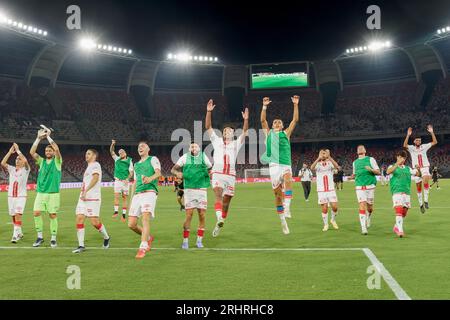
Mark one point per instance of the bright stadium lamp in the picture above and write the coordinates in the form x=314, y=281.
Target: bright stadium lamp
x=169, y=56
x=87, y=44
x=216, y=59
x=3, y=17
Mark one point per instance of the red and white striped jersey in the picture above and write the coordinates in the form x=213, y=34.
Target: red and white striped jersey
x=225, y=154
x=324, y=174
x=17, y=182
x=419, y=155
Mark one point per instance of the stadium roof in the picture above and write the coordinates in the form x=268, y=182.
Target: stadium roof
x=55, y=58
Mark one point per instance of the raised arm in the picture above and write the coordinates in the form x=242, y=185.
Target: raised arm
x=7, y=156
x=54, y=146
x=41, y=135
x=264, y=124
x=111, y=149
x=295, y=117
x=335, y=164
x=314, y=165
x=208, y=122
x=408, y=135
x=21, y=156
x=433, y=136
x=245, y=116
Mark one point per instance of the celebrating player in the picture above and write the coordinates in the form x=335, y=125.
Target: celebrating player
x=419, y=157
x=324, y=167
x=17, y=189
x=194, y=167
x=146, y=173
x=48, y=186
x=365, y=169
x=179, y=189
x=400, y=185
x=123, y=172
x=278, y=156
x=224, y=173
x=90, y=201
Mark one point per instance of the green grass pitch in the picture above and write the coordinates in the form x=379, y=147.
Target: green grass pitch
x=419, y=262
x=263, y=82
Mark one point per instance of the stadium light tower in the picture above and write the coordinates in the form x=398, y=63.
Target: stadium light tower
x=17, y=25
x=187, y=57
x=373, y=47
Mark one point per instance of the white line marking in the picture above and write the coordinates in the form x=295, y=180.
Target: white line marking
x=203, y=249
x=388, y=278
x=391, y=282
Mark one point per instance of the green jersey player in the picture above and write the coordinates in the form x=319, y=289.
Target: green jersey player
x=278, y=156
x=123, y=172
x=48, y=186
x=400, y=185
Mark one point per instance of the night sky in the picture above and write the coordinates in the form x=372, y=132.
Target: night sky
x=236, y=31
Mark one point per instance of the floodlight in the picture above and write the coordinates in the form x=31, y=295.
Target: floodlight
x=87, y=44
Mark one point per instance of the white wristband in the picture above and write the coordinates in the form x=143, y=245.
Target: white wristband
x=19, y=152
x=264, y=108
x=36, y=142
x=50, y=140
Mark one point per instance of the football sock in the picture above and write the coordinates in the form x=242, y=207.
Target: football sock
x=80, y=234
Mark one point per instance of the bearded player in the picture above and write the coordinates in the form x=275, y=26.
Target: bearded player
x=90, y=201
x=123, y=172
x=146, y=173
x=419, y=157
x=48, y=186
x=278, y=156
x=326, y=193
x=400, y=185
x=17, y=189
x=226, y=150
x=194, y=168
x=365, y=170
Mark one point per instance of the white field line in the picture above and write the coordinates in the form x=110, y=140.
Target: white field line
x=388, y=278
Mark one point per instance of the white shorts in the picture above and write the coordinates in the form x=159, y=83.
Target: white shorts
x=366, y=195
x=425, y=171
x=89, y=209
x=225, y=182
x=401, y=200
x=277, y=172
x=16, y=205
x=121, y=186
x=327, y=197
x=143, y=202
x=195, y=199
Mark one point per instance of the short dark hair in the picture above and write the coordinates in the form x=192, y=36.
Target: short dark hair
x=49, y=146
x=402, y=153
x=145, y=142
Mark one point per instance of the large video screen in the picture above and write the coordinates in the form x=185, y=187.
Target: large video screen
x=283, y=75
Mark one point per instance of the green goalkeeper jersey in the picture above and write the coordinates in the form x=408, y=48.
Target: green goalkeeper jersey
x=122, y=168
x=145, y=169
x=49, y=176
x=278, y=148
x=195, y=171
x=363, y=177
x=400, y=181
